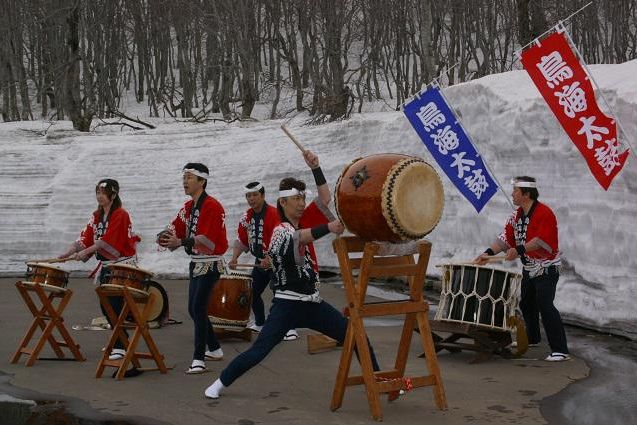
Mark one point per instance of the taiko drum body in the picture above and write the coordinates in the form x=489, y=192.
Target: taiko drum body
x=231, y=301
x=389, y=197
x=47, y=274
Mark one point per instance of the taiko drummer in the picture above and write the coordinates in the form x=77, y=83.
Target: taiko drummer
x=109, y=236
x=297, y=302
x=531, y=234
x=200, y=228
x=253, y=234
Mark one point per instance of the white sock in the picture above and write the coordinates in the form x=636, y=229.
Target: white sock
x=215, y=389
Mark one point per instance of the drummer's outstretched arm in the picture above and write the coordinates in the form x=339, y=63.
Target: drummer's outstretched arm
x=322, y=187
x=309, y=235
x=496, y=246
x=75, y=247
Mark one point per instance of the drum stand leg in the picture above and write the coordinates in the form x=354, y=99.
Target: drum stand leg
x=140, y=330
x=47, y=319
x=485, y=342
x=415, y=310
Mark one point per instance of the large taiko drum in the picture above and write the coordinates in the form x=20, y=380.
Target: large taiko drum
x=47, y=274
x=128, y=275
x=231, y=301
x=389, y=197
x=480, y=295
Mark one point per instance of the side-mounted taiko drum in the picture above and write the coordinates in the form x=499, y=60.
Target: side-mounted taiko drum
x=479, y=295
x=47, y=274
x=128, y=275
x=389, y=197
x=231, y=301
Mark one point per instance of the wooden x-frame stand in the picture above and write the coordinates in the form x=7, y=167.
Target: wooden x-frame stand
x=415, y=309
x=137, y=304
x=47, y=318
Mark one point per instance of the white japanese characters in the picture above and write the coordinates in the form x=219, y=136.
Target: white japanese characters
x=572, y=98
x=446, y=141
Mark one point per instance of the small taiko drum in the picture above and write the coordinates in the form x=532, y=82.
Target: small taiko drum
x=231, y=301
x=47, y=274
x=159, y=309
x=389, y=197
x=480, y=295
x=128, y=275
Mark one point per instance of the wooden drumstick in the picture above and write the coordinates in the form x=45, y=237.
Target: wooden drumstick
x=51, y=260
x=245, y=266
x=291, y=136
x=495, y=258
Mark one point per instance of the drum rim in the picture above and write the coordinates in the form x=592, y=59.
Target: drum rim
x=236, y=276
x=45, y=286
x=490, y=267
x=394, y=175
x=129, y=267
x=45, y=266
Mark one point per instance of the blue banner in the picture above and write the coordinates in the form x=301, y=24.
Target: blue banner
x=441, y=132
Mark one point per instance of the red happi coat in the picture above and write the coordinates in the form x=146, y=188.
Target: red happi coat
x=247, y=234
x=542, y=224
x=210, y=224
x=115, y=236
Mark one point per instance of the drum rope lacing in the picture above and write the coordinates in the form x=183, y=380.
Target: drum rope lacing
x=509, y=300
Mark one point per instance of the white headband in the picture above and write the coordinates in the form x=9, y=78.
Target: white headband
x=197, y=173
x=253, y=189
x=293, y=192
x=104, y=185
x=518, y=183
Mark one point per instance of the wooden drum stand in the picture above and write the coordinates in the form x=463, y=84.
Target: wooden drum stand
x=415, y=310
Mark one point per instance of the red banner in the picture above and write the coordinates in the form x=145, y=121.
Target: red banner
x=565, y=86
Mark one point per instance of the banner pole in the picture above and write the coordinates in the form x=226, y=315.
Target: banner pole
x=517, y=52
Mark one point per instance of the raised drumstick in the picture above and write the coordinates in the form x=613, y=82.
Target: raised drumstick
x=51, y=260
x=291, y=136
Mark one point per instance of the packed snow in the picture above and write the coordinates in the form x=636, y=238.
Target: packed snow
x=47, y=183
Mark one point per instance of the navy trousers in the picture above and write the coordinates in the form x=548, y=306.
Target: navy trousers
x=537, y=298
x=285, y=315
x=117, y=304
x=260, y=280
x=199, y=291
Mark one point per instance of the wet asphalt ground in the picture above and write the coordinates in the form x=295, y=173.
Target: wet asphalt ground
x=519, y=391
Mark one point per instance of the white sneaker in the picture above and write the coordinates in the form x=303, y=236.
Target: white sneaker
x=557, y=357
x=214, y=355
x=292, y=335
x=254, y=327
x=117, y=354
